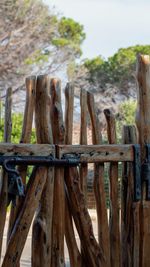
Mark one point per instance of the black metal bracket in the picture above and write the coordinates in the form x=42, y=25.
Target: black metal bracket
x=146, y=171
x=141, y=173
x=137, y=173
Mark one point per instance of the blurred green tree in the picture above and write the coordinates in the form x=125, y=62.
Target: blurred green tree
x=33, y=39
x=125, y=116
x=118, y=69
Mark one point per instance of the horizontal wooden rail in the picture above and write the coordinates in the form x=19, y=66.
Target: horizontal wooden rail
x=26, y=149
x=85, y=153
x=97, y=153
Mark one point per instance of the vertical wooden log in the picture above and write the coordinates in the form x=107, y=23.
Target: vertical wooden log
x=114, y=198
x=42, y=227
x=28, y=118
x=143, y=124
x=96, y=130
x=25, y=138
x=69, y=104
x=103, y=229
x=59, y=197
x=3, y=191
x=20, y=231
x=91, y=251
x=74, y=254
x=129, y=209
x=29, y=109
x=83, y=139
x=8, y=120
x=56, y=112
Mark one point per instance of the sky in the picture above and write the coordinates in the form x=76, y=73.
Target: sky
x=108, y=24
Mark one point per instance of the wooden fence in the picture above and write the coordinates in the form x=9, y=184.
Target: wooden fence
x=56, y=197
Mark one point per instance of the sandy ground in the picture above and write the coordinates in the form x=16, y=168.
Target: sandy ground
x=26, y=255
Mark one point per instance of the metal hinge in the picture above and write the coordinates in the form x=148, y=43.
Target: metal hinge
x=145, y=173
x=137, y=173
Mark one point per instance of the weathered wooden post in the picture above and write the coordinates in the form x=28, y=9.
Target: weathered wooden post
x=3, y=191
x=74, y=254
x=58, y=129
x=143, y=125
x=114, y=203
x=8, y=119
x=25, y=138
x=129, y=208
x=42, y=227
x=83, y=140
x=103, y=229
x=33, y=195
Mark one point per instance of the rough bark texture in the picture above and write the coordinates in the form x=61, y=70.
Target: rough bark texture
x=143, y=124
x=29, y=109
x=20, y=231
x=129, y=209
x=4, y=177
x=58, y=129
x=99, y=153
x=8, y=120
x=25, y=138
x=25, y=149
x=103, y=230
x=91, y=252
x=83, y=140
x=42, y=227
x=74, y=254
x=69, y=104
x=114, y=198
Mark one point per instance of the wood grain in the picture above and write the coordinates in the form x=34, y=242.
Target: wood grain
x=96, y=130
x=29, y=109
x=98, y=153
x=129, y=209
x=114, y=222
x=83, y=139
x=69, y=105
x=8, y=119
x=103, y=230
x=42, y=226
x=74, y=254
x=4, y=177
x=25, y=138
x=20, y=231
x=26, y=149
x=143, y=125
x=58, y=129
x=91, y=252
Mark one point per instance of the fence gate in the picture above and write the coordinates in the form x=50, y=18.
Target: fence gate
x=55, y=196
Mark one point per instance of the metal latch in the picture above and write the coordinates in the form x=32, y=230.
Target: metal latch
x=15, y=185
